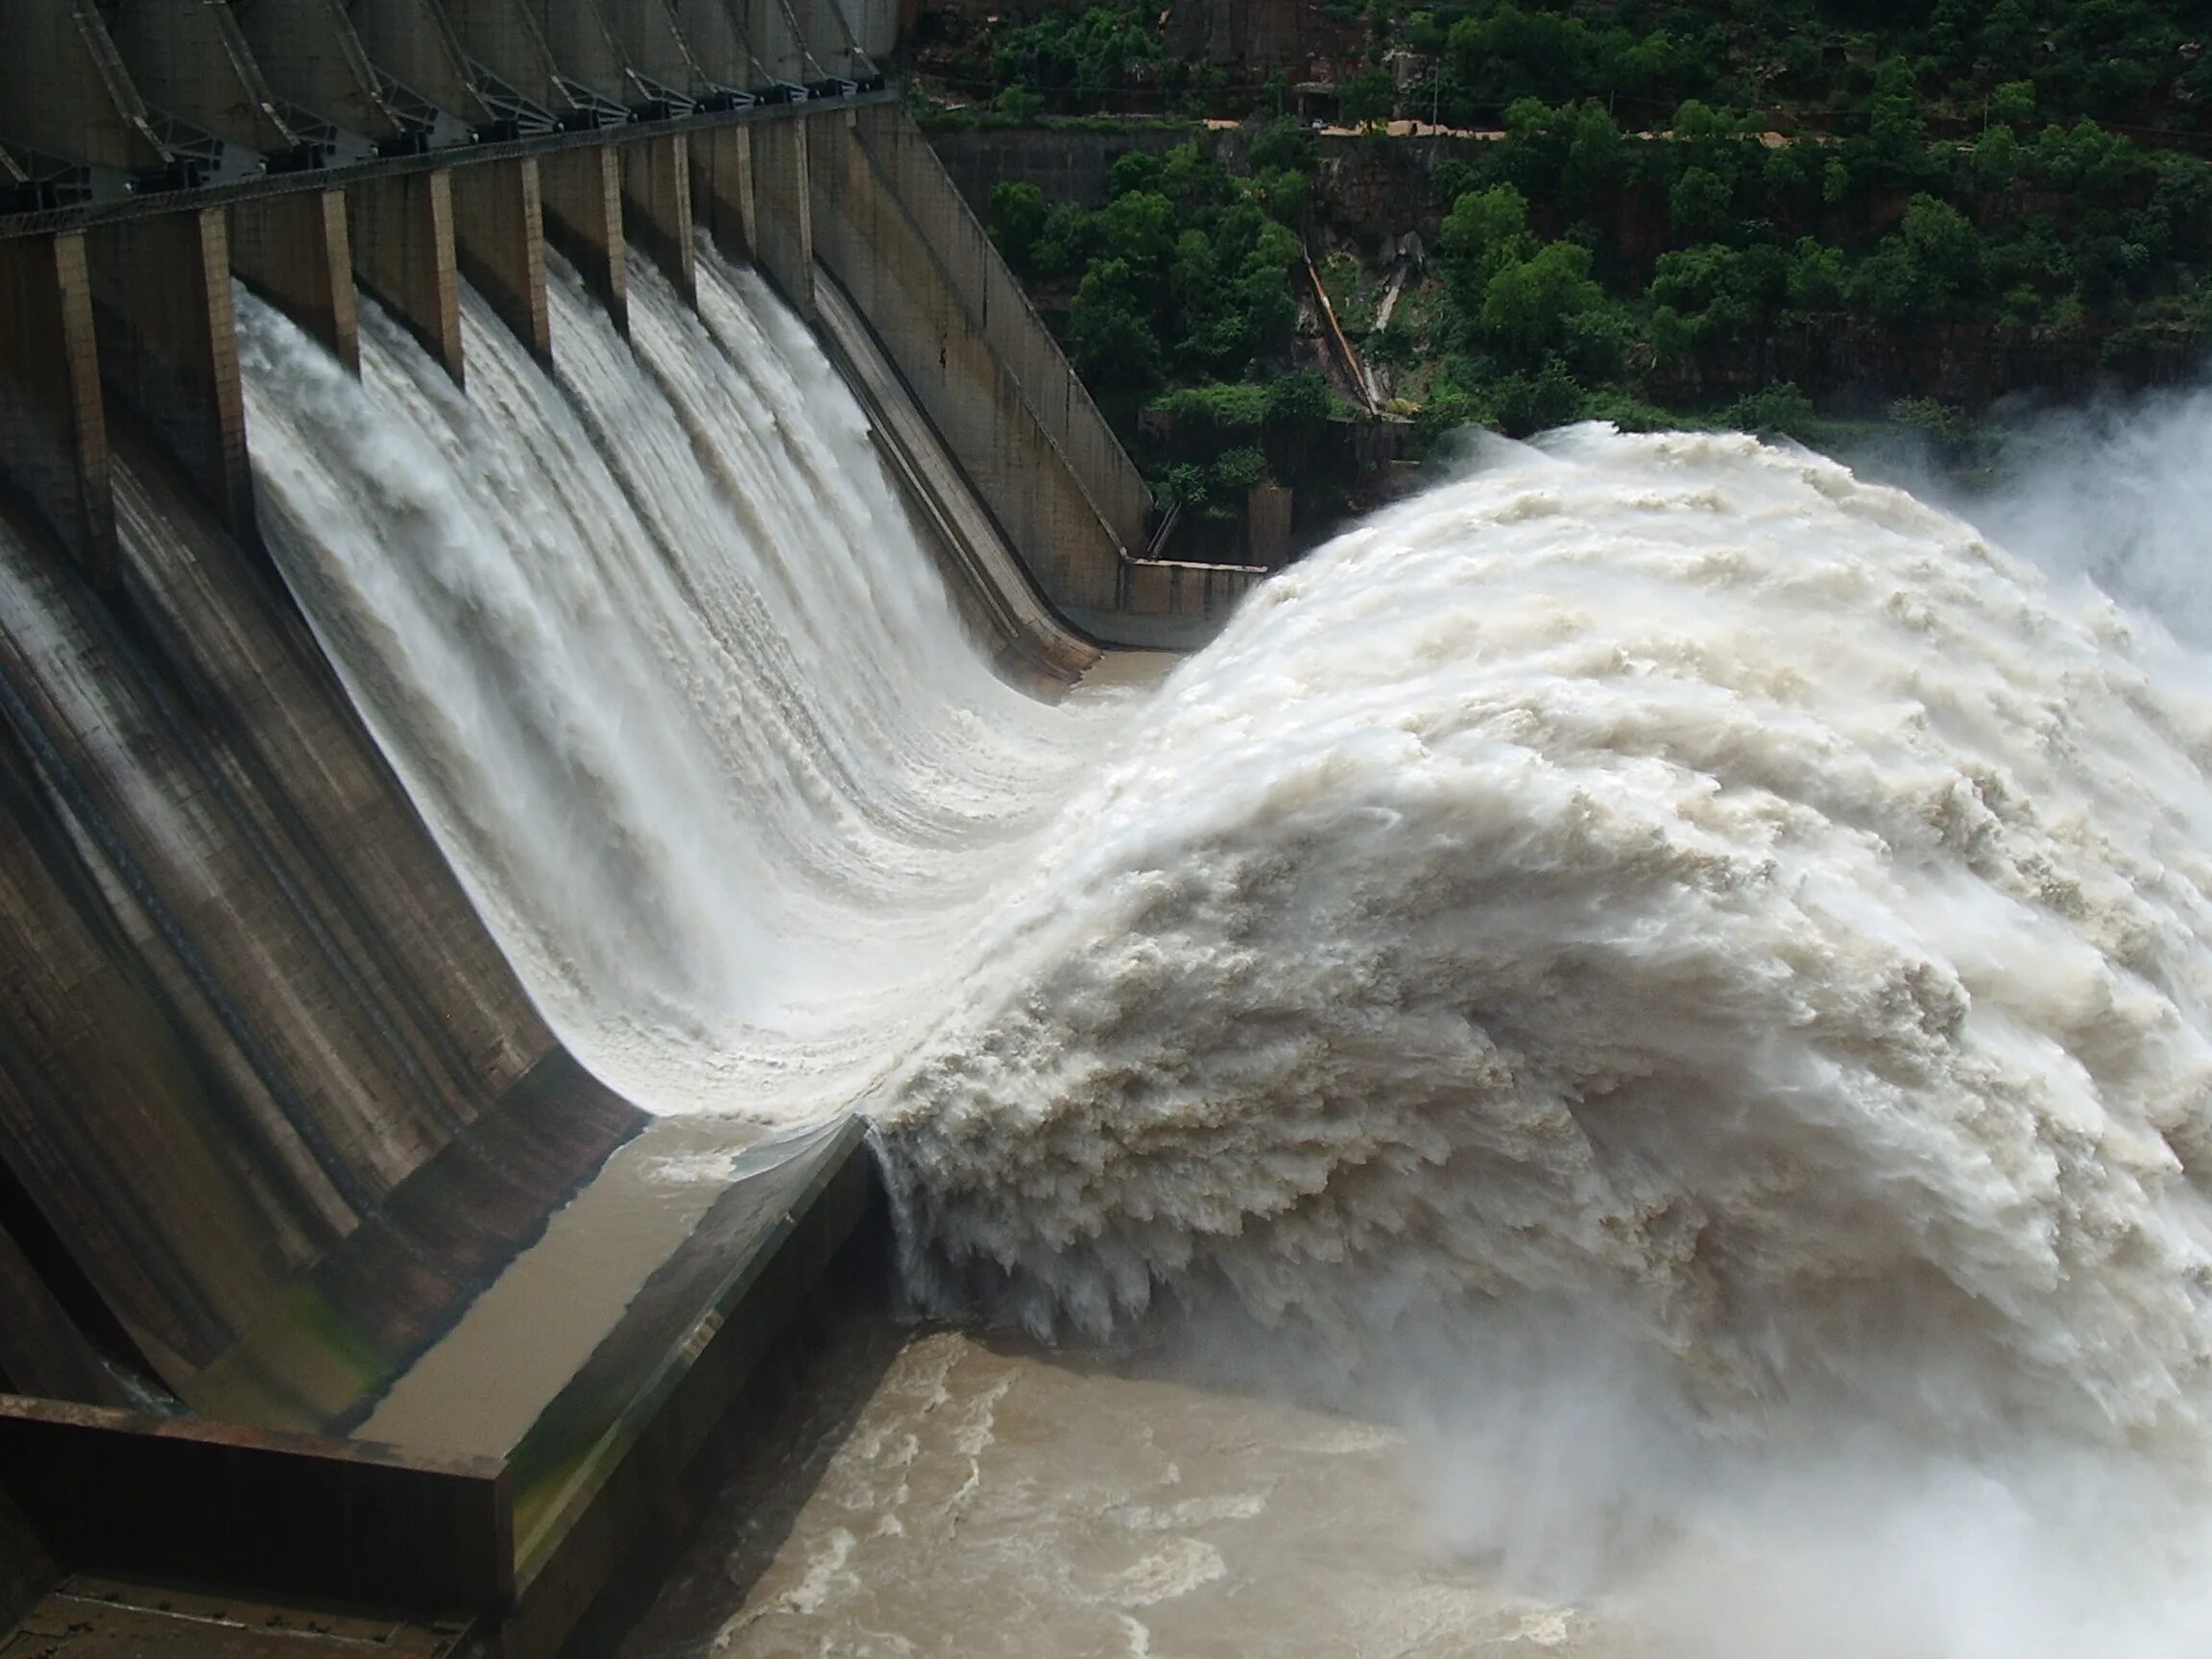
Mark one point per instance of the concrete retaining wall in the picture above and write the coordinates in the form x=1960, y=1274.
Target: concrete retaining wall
x=886, y=263
x=118, y=1492
x=992, y=295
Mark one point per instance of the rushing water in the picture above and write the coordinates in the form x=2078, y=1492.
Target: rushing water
x=656, y=650
x=1656, y=917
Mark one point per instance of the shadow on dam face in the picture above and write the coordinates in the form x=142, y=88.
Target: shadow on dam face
x=277, y=1113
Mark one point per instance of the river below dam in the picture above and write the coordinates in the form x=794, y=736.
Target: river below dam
x=1624, y=1065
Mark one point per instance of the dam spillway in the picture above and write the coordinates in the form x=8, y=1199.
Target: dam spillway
x=1661, y=985
x=278, y=1110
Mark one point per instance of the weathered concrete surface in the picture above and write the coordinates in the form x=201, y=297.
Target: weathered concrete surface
x=721, y=197
x=414, y=41
x=609, y=1482
x=715, y=30
x=892, y=271
x=41, y=1350
x=503, y=35
x=169, y=347
x=657, y=207
x=64, y=89
x=191, y=60
x=500, y=228
x=249, y=1000
x=402, y=232
x=993, y=294
x=122, y=1493
x=583, y=193
x=1005, y=614
x=311, y=55
x=295, y=253
x=767, y=24
x=52, y=424
x=781, y=232
x=87, y=1617
x=547, y=1550
x=657, y=47
x=26, y=1570
x=582, y=46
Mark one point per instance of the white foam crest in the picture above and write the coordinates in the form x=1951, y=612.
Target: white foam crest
x=1661, y=874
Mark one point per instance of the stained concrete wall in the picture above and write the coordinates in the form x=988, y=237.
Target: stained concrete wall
x=191, y=60
x=168, y=346
x=583, y=219
x=657, y=45
x=414, y=41
x=581, y=43
x=774, y=31
x=311, y=55
x=401, y=231
x=295, y=252
x=930, y=297
x=504, y=36
x=250, y=1010
x=715, y=30
x=993, y=295
x=122, y=1493
x=52, y=425
x=64, y=89
x=500, y=227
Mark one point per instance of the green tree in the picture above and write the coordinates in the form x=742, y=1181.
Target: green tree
x=1018, y=218
x=1283, y=146
x=1136, y=171
x=1528, y=302
x=2013, y=101
x=1367, y=99
x=1779, y=409
x=1701, y=206
x=1110, y=332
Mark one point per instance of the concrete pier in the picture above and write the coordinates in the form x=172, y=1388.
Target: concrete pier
x=169, y=347
x=52, y=420
x=295, y=251
x=401, y=231
x=657, y=207
x=499, y=223
x=584, y=218
x=721, y=197
x=783, y=232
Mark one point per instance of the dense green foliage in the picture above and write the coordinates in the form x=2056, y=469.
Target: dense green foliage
x=1835, y=63
x=1776, y=216
x=1178, y=295
x=1672, y=269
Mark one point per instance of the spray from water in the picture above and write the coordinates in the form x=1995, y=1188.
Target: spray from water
x=1678, y=973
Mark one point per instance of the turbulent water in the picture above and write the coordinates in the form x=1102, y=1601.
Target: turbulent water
x=1659, y=870
x=656, y=650
x=1651, y=902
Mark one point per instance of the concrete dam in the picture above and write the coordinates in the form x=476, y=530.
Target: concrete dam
x=276, y=1105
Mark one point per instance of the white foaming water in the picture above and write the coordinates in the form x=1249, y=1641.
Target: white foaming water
x=656, y=652
x=1655, y=871
x=1667, y=944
